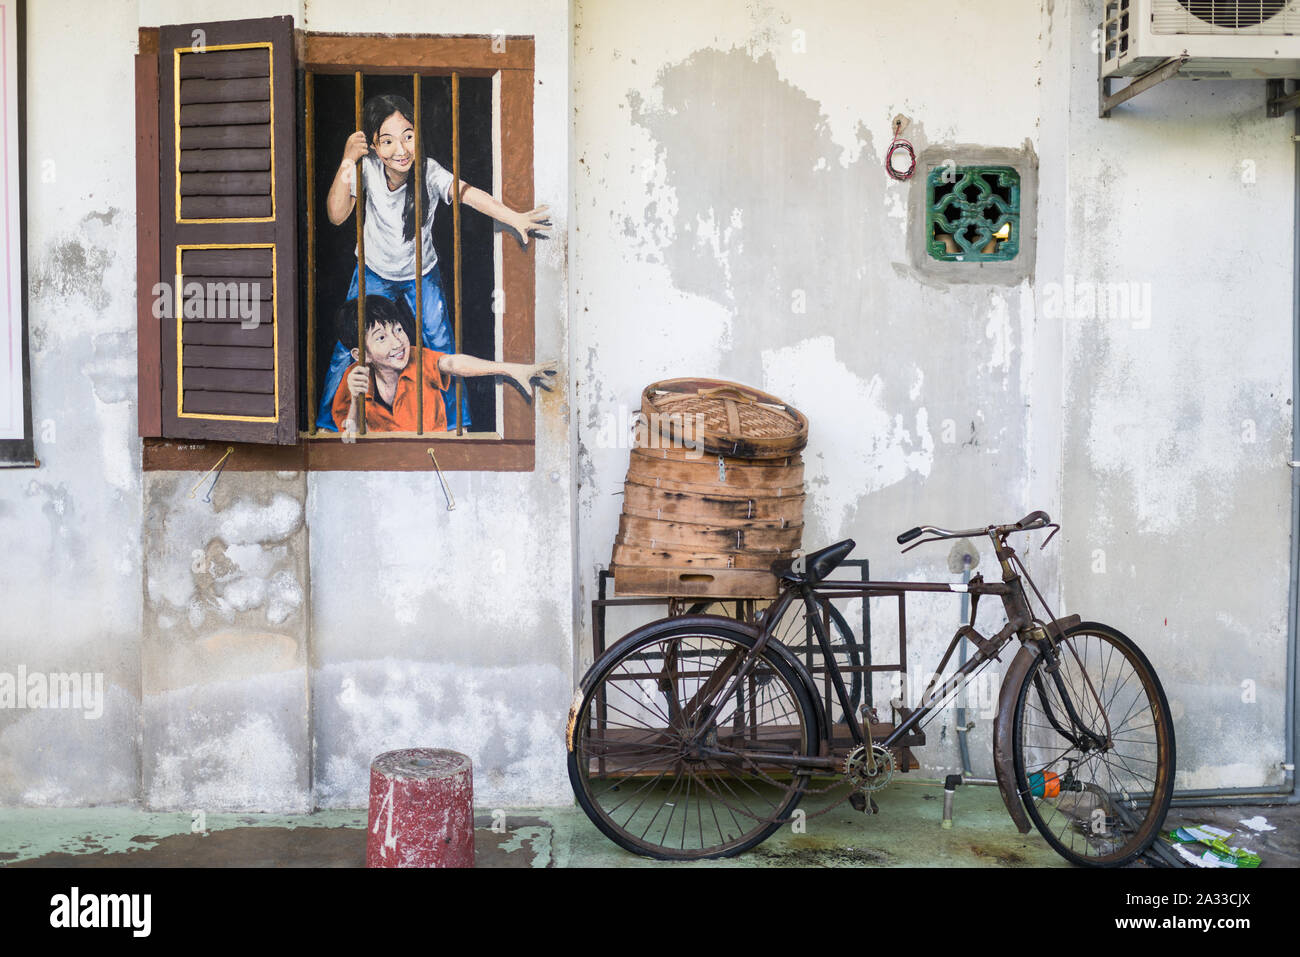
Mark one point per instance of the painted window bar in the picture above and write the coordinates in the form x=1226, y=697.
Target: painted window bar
x=359, y=211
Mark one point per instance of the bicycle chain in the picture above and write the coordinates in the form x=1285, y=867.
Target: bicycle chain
x=781, y=819
x=802, y=791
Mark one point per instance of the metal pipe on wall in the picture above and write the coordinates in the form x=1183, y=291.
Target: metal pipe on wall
x=1293, y=617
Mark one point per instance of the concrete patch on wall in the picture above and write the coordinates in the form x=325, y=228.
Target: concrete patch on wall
x=224, y=662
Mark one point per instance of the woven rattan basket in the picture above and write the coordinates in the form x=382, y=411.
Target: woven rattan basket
x=726, y=417
x=714, y=492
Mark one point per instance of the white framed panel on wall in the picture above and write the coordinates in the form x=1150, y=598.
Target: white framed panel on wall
x=15, y=375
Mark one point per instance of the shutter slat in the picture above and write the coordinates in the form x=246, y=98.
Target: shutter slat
x=225, y=91
x=264, y=315
x=220, y=64
x=226, y=137
x=224, y=160
x=230, y=380
x=228, y=357
x=229, y=403
x=227, y=334
x=226, y=184
x=240, y=301
x=255, y=287
x=225, y=207
x=225, y=114
x=226, y=262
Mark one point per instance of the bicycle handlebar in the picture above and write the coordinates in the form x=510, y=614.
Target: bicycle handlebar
x=1035, y=519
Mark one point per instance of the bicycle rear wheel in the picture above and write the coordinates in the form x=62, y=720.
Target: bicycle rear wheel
x=1098, y=796
x=795, y=631
x=665, y=767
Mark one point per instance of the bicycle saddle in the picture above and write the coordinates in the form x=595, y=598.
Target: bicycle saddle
x=816, y=565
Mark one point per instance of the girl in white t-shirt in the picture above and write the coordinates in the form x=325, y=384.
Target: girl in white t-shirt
x=388, y=152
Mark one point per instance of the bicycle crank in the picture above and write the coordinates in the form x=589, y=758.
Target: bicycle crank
x=869, y=770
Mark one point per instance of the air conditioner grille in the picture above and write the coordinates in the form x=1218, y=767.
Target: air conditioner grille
x=1115, y=29
x=1224, y=17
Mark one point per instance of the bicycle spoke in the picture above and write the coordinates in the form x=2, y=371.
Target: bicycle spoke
x=639, y=762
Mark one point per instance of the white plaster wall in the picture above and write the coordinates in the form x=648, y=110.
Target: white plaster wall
x=157, y=13
x=1178, y=423
x=694, y=233
x=70, y=530
x=729, y=164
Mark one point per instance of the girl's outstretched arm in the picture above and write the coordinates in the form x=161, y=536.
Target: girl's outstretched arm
x=339, y=202
x=521, y=373
x=534, y=221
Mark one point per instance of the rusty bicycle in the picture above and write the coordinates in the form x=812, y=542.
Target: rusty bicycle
x=696, y=736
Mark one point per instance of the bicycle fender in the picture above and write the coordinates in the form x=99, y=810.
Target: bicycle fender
x=1003, y=745
x=697, y=621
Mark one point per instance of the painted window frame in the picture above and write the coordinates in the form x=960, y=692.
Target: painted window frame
x=512, y=59
x=17, y=451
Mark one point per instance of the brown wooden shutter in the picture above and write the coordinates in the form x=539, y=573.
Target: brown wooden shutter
x=228, y=211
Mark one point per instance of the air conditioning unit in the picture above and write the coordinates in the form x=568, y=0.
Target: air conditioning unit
x=1222, y=39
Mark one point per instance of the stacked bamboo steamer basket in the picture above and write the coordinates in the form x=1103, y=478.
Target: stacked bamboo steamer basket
x=714, y=492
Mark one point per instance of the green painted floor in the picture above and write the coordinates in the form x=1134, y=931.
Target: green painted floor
x=906, y=833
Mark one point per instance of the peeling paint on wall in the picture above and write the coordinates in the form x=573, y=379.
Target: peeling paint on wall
x=878, y=444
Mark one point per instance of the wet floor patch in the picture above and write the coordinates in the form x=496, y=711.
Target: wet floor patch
x=818, y=852
x=233, y=847
x=526, y=842
x=1003, y=856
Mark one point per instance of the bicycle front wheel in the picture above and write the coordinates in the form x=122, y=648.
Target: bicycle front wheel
x=1094, y=748
x=666, y=766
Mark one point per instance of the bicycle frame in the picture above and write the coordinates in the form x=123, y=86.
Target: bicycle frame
x=1021, y=623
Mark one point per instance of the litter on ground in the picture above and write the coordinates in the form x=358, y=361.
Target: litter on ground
x=1217, y=853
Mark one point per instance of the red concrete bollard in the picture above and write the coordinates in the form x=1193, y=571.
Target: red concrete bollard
x=421, y=809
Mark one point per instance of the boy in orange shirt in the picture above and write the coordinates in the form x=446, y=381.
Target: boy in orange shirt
x=391, y=404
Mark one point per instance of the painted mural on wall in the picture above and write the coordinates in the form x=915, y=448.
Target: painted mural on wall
x=387, y=152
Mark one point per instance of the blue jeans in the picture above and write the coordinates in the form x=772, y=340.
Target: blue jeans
x=437, y=336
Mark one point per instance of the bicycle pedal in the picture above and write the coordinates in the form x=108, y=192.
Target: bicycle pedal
x=859, y=801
